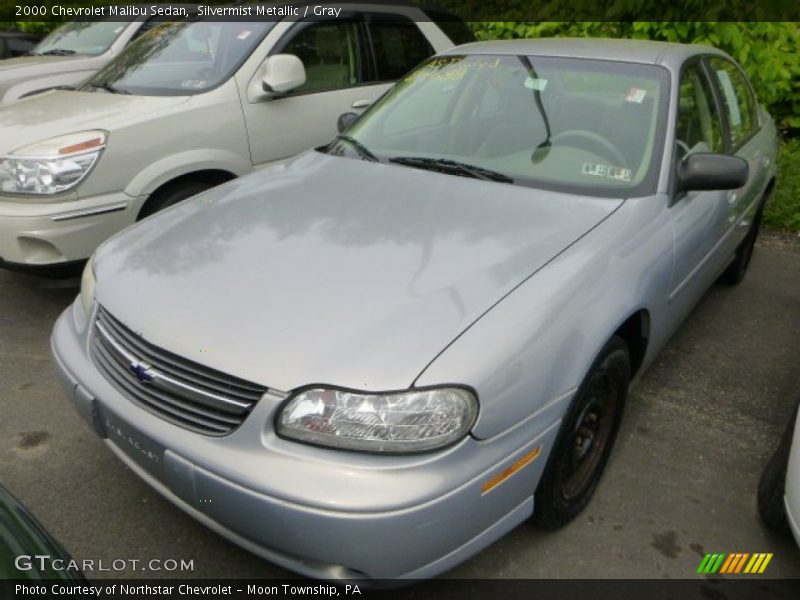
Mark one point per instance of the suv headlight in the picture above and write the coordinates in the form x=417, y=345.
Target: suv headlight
x=88, y=282
x=396, y=422
x=53, y=166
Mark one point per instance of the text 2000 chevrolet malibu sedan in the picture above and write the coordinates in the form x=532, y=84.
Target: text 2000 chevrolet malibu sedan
x=380, y=357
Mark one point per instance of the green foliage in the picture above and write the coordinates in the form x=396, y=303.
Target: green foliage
x=783, y=209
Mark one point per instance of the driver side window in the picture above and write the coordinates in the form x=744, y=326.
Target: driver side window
x=329, y=51
x=699, y=126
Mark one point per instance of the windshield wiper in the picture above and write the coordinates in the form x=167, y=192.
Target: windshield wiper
x=451, y=167
x=543, y=149
x=55, y=52
x=109, y=88
x=360, y=148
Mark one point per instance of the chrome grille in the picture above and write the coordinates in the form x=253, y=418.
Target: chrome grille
x=185, y=393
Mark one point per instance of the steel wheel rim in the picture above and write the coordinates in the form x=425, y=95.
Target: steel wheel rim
x=589, y=438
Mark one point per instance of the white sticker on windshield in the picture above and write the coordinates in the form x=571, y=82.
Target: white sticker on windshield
x=118, y=29
x=194, y=83
x=730, y=97
x=608, y=171
x=532, y=83
x=244, y=35
x=636, y=95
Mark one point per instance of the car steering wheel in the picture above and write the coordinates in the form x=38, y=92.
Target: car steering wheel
x=589, y=140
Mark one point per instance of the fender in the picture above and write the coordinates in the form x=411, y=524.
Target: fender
x=176, y=165
x=537, y=344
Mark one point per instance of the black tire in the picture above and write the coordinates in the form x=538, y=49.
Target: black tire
x=584, y=442
x=736, y=271
x=171, y=195
x=772, y=485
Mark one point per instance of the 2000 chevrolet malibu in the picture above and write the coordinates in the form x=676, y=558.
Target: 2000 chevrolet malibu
x=379, y=357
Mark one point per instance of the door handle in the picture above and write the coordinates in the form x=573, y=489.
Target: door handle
x=363, y=103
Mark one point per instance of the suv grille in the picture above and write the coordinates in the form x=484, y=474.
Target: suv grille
x=185, y=393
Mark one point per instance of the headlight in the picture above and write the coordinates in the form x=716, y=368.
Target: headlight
x=52, y=166
x=397, y=422
x=87, y=287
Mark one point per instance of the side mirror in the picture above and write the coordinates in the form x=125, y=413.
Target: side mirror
x=283, y=73
x=705, y=171
x=345, y=120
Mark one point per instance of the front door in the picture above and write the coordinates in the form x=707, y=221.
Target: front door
x=333, y=53
x=700, y=219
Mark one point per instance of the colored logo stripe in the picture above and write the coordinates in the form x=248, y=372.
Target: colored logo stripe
x=738, y=562
x=711, y=563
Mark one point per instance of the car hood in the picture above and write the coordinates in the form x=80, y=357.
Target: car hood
x=332, y=270
x=21, y=68
x=60, y=112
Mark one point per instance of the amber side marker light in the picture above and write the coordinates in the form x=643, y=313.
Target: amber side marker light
x=520, y=464
x=87, y=145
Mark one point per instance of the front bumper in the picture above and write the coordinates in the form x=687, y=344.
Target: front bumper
x=322, y=513
x=37, y=235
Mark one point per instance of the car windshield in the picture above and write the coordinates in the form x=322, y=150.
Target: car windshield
x=85, y=37
x=574, y=125
x=180, y=59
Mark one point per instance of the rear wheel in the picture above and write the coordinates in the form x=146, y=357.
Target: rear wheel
x=171, y=195
x=585, y=440
x=736, y=271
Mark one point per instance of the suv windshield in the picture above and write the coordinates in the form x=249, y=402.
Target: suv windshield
x=85, y=37
x=574, y=125
x=180, y=58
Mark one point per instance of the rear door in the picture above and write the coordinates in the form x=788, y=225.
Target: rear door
x=740, y=113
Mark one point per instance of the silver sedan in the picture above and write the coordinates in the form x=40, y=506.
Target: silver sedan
x=377, y=358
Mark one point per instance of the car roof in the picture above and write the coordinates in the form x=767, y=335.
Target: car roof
x=639, y=51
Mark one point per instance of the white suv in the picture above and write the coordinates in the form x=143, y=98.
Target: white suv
x=188, y=106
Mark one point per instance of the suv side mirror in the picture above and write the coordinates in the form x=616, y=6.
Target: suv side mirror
x=705, y=171
x=345, y=120
x=283, y=73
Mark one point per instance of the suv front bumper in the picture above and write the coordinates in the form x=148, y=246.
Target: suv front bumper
x=37, y=235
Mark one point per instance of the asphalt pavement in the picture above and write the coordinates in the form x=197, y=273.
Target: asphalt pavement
x=681, y=482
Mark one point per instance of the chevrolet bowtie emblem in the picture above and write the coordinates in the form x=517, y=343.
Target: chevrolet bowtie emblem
x=141, y=371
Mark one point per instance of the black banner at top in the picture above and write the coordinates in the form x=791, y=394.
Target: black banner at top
x=466, y=10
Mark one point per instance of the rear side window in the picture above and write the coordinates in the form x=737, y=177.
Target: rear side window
x=453, y=27
x=398, y=45
x=699, y=126
x=737, y=98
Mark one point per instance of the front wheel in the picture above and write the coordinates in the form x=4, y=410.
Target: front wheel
x=772, y=484
x=585, y=439
x=171, y=195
